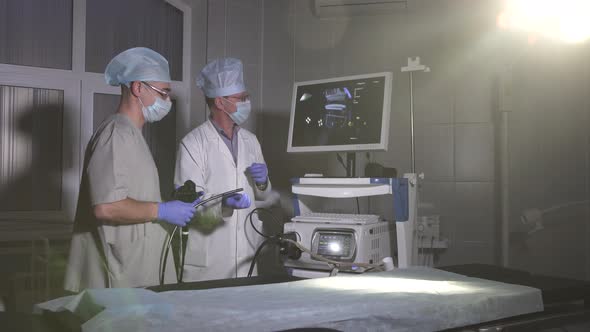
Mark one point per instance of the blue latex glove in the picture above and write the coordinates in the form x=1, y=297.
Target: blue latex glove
x=258, y=172
x=237, y=201
x=176, y=212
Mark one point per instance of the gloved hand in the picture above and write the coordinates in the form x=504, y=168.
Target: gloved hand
x=237, y=201
x=258, y=172
x=176, y=212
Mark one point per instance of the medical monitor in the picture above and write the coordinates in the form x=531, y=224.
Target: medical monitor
x=341, y=114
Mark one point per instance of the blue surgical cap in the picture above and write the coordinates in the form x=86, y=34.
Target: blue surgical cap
x=137, y=64
x=222, y=77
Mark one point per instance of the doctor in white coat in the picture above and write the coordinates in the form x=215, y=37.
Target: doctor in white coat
x=219, y=156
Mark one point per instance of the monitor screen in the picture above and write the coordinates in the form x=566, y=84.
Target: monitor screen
x=341, y=114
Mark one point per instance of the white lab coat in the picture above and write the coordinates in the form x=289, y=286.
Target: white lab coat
x=227, y=250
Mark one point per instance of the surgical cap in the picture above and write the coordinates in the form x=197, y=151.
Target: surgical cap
x=137, y=64
x=222, y=77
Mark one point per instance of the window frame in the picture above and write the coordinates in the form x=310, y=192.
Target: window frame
x=79, y=88
x=70, y=154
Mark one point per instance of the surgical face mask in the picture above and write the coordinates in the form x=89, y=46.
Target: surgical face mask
x=242, y=112
x=157, y=111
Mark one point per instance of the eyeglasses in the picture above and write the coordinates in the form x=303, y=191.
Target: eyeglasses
x=164, y=94
x=242, y=98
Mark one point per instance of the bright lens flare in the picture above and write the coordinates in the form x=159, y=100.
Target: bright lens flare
x=566, y=20
x=334, y=247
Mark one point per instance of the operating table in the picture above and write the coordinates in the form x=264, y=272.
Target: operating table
x=565, y=301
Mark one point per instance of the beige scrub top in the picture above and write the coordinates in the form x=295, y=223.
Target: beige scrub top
x=118, y=164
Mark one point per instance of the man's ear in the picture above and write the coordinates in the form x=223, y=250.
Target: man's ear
x=135, y=88
x=219, y=103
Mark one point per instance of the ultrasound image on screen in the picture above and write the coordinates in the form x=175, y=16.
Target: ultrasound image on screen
x=339, y=113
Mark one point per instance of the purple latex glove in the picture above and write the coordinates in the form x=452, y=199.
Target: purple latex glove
x=237, y=201
x=258, y=172
x=176, y=212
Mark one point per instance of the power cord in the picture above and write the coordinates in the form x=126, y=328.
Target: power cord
x=267, y=211
x=269, y=239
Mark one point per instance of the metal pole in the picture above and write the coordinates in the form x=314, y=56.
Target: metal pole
x=505, y=189
x=413, y=150
x=505, y=107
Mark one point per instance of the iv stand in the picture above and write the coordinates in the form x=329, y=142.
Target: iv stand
x=413, y=65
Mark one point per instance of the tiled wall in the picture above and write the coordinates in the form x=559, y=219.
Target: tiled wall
x=549, y=158
x=456, y=119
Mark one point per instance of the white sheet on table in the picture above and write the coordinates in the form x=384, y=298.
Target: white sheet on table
x=414, y=299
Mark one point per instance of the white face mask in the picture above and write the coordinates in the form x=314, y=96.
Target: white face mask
x=156, y=111
x=243, y=109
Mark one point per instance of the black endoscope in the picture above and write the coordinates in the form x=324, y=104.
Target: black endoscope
x=187, y=193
